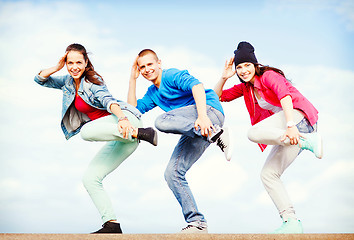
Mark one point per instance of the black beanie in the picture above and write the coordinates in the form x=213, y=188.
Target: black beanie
x=244, y=53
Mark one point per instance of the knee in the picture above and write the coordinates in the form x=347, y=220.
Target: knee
x=168, y=175
x=85, y=133
x=252, y=134
x=161, y=124
x=269, y=175
x=90, y=181
x=172, y=176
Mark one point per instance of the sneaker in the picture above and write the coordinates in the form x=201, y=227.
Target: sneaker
x=290, y=226
x=194, y=229
x=312, y=142
x=223, y=140
x=148, y=134
x=110, y=227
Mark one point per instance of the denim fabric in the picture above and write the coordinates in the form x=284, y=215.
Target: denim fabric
x=95, y=95
x=188, y=150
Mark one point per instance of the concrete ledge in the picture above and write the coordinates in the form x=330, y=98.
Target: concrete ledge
x=10, y=236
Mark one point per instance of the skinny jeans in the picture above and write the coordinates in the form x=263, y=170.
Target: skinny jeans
x=270, y=131
x=188, y=150
x=112, y=154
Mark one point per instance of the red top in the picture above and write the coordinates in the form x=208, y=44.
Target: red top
x=272, y=87
x=91, y=112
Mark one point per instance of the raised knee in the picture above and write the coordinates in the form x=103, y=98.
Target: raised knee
x=85, y=134
x=252, y=134
x=160, y=124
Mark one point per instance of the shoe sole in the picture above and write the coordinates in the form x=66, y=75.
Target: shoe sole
x=154, y=142
x=231, y=146
x=320, y=146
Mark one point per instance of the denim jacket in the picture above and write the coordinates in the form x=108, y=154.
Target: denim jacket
x=96, y=96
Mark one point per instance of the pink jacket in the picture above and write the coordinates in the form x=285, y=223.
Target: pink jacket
x=272, y=87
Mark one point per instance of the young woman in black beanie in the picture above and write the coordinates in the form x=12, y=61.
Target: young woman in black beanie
x=281, y=116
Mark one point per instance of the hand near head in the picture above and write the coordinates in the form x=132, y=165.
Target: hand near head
x=135, y=70
x=228, y=71
x=49, y=71
x=61, y=62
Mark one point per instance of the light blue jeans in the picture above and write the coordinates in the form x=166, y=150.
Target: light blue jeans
x=112, y=154
x=188, y=150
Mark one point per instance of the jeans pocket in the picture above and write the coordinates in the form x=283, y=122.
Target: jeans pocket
x=304, y=126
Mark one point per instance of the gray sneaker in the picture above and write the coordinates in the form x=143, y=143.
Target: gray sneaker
x=194, y=229
x=223, y=141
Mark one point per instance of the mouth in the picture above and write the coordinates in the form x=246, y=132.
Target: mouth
x=75, y=73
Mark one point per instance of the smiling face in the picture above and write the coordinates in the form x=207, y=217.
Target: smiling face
x=246, y=71
x=76, y=64
x=150, y=67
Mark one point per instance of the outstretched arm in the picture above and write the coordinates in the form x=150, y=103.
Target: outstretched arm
x=132, y=83
x=203, y=120
x=227, y=73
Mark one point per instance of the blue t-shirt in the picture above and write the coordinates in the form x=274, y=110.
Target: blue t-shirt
x=175, y=91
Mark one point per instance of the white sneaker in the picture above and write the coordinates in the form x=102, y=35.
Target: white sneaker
x=313, y=142
x=223, y=140
x=194, y=229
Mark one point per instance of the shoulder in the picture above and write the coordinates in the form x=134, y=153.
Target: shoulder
x=271, y=76
x=172, y=72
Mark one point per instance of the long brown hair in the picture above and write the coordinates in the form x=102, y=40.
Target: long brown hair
x=260, y=69
x=90, y=74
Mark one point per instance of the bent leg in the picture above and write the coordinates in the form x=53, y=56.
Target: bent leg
x=106, y=128
x=270, y=130
x=181, y=120
x=106, y=160
x=278, y=160
x=186, y=153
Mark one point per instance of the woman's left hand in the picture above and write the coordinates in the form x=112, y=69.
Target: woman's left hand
x=293, y=134
x=125, y=128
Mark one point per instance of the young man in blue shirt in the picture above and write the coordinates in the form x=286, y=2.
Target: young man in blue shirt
x=193, y=112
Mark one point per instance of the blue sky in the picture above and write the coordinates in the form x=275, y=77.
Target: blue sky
x=40, y=172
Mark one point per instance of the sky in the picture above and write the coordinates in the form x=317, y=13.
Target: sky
x=40, y=172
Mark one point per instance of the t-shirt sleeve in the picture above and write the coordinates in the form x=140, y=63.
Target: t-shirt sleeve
x=181, y=80
x=146, y=103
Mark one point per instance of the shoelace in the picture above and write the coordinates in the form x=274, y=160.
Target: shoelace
x=191, y=226
x=221, y=144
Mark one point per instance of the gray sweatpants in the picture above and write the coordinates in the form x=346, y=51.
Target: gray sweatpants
x=270, y=131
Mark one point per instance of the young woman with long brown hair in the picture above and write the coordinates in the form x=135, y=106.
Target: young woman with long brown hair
x=281, y=116
x=89, y=107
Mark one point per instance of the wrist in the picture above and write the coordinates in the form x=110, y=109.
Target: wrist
x=122, y=118
x=290, y=124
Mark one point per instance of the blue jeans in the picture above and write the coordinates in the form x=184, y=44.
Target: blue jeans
x=189, y=149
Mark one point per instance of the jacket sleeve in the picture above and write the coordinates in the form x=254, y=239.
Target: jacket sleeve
x=278, y=84
x=56, y=82
x=101, y=93
x=232, y=93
